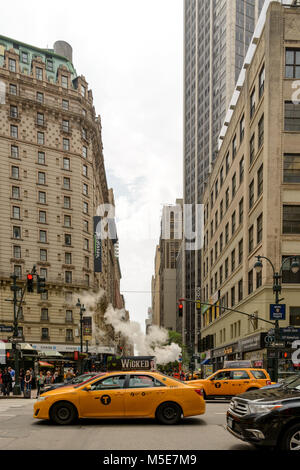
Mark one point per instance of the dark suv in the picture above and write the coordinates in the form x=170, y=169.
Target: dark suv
x=267, y=417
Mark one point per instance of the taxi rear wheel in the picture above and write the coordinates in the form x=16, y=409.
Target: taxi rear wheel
x=168, y=413
x=63, y=413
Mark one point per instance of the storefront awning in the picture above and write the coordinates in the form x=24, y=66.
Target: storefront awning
x=206, y=361
x=50, y=354
x=45, y=364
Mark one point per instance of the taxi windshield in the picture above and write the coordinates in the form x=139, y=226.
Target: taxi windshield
x=88, y=379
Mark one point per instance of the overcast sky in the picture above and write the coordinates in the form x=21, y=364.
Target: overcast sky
x=131, y=54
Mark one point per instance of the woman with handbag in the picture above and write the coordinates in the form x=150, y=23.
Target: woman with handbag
x=40, y=383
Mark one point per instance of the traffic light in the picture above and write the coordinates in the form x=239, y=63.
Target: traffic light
x=180, y=310
x=7, y=355
x=29, y=283
x=40, y=285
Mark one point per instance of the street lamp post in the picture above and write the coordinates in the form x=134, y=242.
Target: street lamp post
x=15, y=288
x=277, y=277
x=82, y=309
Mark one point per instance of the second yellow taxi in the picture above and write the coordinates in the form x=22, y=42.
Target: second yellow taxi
x=122, y=395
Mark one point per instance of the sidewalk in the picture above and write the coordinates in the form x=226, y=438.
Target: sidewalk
x=33, y=395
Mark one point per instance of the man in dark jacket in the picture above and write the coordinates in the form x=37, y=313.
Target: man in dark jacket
x=7, y=382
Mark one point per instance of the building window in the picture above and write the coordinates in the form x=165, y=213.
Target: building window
x=14, y=131
x=233, y=296
x=40, y=138
x=226, y=233
x=45, y=333
x=233, y=185
x=68, y=277
x=82, y=88
x=16, y=232
x=41, y=158
x=260, y=181
x=227, y=163
x=14, y=151
x=241, y=211
x=87, y=280
x=42, y=217
x=240, y=290
x=250, y=282
x=12, y=65
x=69, y=335
x=43, y=273
x=85, y=208
x=38, y=73
x=241, y=250
x=251, y=239
x=87, y=262
x=69, y=316
x=67, y=202
x=84, y=133
x=252, y=148
x=292, y=63
x=65, y=105
x=49, y=65
x=85, y=170
x=15, y=192
x=67, y=221
x=259, y=228
x=43, y=255
x=15, y=173
x=12, y=89
x=251, y=194
x=288, y=277
x=40, y=97
x=221, y=177
x=227, y=198
x=232, y=260
x=221, y=242
x=85, y=189
x=13, y=111
x=261, y=81
x=295, y=316
x=291, y=116
x=68, y=239
x=43, y=236
x=66, y=145
x=16, y=212
x=64, y=81
x=291, y=168
x=17, y=251
x=242, y=169
x=258, y=280
x=24, y=57
x=66, y=163
x=226, y=268
x=234, y=148
x=18, y=271
x=261, y=132
x=41, y=177
x=67, y=183
x=291, y=219
x=233, y=223
x=42, y=197
x=252, y=104
x=65, y=125
x=68, y=258
x=242, y=129
x=40, y=119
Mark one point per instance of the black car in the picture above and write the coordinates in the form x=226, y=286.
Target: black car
x=267, y=417
x=75, y=381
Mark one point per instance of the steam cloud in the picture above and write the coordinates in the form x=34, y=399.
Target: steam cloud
x=152, y=344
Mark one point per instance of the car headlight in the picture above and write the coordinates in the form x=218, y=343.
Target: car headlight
x=256, y=408
x=41, y=398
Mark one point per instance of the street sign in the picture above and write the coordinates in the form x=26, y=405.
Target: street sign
x=277, y=312
x=269, y=339
x=289, y=334
x=6, y=329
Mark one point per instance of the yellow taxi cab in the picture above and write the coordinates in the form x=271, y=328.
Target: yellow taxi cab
x=125, y=394
x=230, y=382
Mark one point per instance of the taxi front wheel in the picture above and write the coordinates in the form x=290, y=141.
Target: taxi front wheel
x=63, y=413
x=168, y=413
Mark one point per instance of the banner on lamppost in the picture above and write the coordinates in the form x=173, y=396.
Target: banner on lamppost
x=97, y=245
x=87, y=328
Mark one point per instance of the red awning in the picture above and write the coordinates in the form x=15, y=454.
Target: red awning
x=45, y=364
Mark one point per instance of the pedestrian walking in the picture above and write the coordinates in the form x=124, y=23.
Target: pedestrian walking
x=21, y=379
x=6, y=382
x=1, y=383
x=13, y=378
x=27, y=384
x=48, y=378
x=40, y=382
x=69, y=375
x=33, y=377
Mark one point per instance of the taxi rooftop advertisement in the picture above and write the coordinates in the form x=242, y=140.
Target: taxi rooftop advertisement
x=131, y=363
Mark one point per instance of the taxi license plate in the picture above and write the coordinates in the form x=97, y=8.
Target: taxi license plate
x=230, y=423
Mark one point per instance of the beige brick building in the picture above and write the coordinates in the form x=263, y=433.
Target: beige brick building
x=53, y=179
x=252, y=199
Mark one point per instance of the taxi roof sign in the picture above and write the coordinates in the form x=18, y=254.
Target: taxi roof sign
x=132, y=363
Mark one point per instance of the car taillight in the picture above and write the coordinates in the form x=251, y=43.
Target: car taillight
x=199, y=391
x=269, y=382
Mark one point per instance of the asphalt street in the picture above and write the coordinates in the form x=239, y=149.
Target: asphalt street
x=20, y=431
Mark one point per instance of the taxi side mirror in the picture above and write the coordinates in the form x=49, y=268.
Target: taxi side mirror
x=87, y=388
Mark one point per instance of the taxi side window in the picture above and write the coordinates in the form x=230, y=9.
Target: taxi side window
x=258, y=374
x=239, y=375
x=143, y=381
x=110, y=383
x=224, y=375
